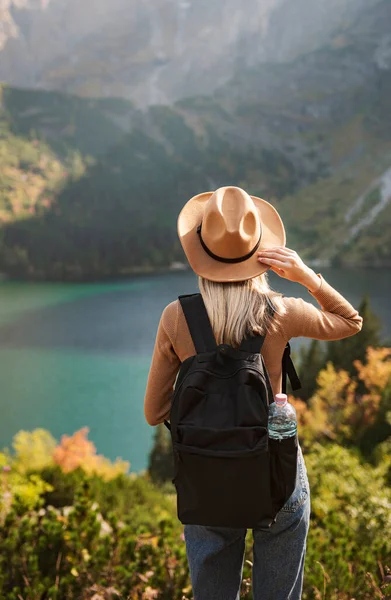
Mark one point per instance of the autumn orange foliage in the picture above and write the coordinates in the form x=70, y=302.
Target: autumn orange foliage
x=77, y=451
x=336, y=410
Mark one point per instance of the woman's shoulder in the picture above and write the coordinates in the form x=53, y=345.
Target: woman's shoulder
x=169, y=316
x=172, y=311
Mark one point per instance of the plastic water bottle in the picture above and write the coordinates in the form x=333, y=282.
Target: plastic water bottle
x=282, y=418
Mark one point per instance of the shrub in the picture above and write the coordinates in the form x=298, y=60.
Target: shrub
x=77, y=451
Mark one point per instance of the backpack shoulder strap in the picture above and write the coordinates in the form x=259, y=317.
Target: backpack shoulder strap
x=252, y=343
x=198, y=322
x=288, y=369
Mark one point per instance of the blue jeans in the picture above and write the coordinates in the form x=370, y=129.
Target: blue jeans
x=216, y=554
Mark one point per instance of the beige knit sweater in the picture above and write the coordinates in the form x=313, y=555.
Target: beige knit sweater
x=337, y=319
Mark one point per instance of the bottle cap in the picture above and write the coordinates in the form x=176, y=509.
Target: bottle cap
x=281, y=399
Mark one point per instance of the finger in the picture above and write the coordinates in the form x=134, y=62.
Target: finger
x=279, y=250
x=276, y=248
x=285, y=249
x=274, y=262
x=274, y=256
x=278, y=256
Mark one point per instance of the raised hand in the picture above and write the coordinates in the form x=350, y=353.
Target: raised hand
x=288, y=264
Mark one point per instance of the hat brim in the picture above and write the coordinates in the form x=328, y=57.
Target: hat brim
x=273, y=234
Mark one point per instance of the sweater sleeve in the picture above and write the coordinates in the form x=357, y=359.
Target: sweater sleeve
x=162, y=373
x=336, y=320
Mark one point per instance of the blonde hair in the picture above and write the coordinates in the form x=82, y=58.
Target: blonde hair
x=240, y=307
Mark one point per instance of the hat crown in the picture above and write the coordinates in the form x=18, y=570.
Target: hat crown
x=221, y=231
x=230, y=226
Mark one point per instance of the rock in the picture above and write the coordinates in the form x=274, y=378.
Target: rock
x=158, y=51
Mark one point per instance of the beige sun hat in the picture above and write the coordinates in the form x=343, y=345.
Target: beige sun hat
x=222, y=231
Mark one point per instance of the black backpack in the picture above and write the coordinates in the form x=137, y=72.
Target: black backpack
x=227, y=471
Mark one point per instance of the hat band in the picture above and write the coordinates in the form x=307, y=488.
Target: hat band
x=228, y=260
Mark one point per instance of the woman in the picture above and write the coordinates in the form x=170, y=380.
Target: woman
x=230, y=240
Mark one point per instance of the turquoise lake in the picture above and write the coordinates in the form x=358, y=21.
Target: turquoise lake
x=75, y=355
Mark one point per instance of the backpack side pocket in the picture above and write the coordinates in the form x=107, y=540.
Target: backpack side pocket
x=283, y=469
x=301, y=491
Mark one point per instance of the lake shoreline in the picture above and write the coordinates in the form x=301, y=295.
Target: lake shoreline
x=177, y=267
x=94, y=278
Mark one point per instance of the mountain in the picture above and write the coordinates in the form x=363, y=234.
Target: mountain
x=158, y=51
x=68, y=214
x=93, y=187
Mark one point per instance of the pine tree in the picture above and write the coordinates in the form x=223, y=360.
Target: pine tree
x=342, y=353
x=161, y=462
x=311, y=361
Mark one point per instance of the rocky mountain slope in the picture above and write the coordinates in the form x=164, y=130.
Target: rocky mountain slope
x=158, y=51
